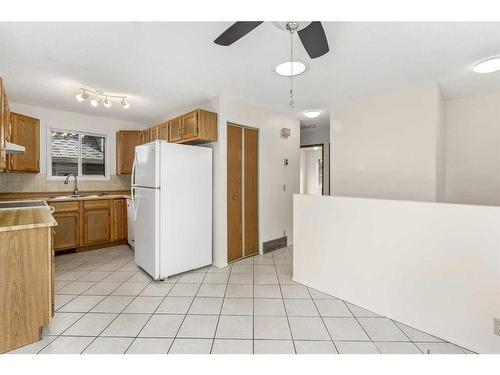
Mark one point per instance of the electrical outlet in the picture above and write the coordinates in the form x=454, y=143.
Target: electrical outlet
x=496, y=326
x=284, y=187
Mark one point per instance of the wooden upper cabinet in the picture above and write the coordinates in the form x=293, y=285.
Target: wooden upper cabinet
x=190, y=125
x=146, y=134
x=25, y=131
x=198, y=126
x=119, y=219
x=153, y=133
x=175, y=130
x=126, y=140
x=163, y=131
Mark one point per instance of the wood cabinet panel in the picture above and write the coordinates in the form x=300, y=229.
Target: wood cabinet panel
x=25, y=286
x=96, y=204
x=65, y=206
x=25, y=131
x=163, y=131
x=126, y=140
x=153, y=133
x=119, y=219
x=67, y=232
x=175, y=130
x=190, y=125
x=145, y=136
x=96, y=226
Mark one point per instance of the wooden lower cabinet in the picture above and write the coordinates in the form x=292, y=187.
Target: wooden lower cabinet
x=89, y=223
x=26, y=287
x=96, y=226
x=119, y=219
x=67, y=233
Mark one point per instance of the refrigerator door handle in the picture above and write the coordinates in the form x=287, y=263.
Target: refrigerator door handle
x=133, y=202
x=133, y=169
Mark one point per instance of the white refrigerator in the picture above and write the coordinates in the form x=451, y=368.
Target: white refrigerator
x=172, y=204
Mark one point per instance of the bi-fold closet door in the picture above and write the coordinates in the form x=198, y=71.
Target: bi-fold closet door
x=242, y=192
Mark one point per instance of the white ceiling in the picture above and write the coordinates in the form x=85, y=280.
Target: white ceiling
x=165, y=67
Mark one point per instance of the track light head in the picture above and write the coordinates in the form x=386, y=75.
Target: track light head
x=95, y=101
x=125, y=104
x=82, y=96
x=107, y=103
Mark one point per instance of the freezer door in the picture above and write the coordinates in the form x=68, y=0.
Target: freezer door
x=146, y=166
x=147, y=220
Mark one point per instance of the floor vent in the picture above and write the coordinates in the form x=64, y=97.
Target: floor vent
x=277, y=243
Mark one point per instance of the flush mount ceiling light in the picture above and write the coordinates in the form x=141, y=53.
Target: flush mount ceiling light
x=98, y=97
x=312, y=113
x=290, y=69
x=310, y=126
x=488, y=66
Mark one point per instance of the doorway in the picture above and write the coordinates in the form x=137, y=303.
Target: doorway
x=242, y=192
x=312, y=176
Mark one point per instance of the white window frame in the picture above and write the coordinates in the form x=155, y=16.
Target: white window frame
x=106, y=177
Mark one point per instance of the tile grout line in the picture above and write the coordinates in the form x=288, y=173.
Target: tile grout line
x=284, y=305
x=363, y=328
x=220, y=311
x=323, y=321
x=84, y=313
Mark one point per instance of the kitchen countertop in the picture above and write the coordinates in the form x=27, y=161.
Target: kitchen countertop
x=17, y=219
x=85, y=198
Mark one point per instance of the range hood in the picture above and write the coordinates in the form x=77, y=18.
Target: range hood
x=11, y=148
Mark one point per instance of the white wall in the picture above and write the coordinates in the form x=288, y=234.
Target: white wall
x=385, y=146
x=52, y=118
x=473, y=150
x=433, y=266
x=275, y=205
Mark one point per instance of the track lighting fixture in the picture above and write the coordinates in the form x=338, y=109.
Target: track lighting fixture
x=98, y=97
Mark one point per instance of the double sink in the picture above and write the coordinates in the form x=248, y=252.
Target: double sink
x=65, y=197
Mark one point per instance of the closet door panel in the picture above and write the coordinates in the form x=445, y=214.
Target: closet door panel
x=234, y=193
x=251, y=191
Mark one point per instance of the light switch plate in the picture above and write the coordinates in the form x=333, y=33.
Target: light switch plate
x=496, y=326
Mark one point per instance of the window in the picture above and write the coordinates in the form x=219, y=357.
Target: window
x=78, y=153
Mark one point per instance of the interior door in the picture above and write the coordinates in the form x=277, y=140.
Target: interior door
x=251, y=191
x=146, y=203
x=234, y=193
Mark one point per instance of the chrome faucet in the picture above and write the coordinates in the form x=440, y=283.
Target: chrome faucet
x=75, y=191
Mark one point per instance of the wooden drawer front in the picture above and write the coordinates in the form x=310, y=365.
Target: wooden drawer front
x=64, y=206
x=97, y=204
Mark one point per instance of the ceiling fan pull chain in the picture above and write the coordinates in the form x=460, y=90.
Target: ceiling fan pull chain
x=292, y=102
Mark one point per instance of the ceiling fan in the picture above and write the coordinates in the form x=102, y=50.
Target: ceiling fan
x=311, y=34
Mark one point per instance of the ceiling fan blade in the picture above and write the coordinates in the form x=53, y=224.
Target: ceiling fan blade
x=313, y=38
x=236, y=31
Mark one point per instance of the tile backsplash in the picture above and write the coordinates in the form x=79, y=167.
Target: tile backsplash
x=26, y=183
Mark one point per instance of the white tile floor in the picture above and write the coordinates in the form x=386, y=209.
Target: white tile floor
x=106, y=304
